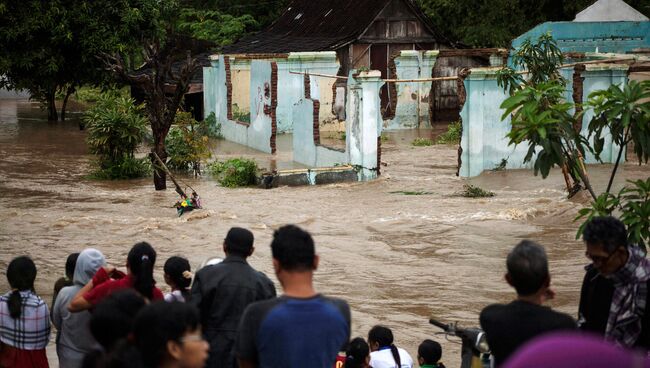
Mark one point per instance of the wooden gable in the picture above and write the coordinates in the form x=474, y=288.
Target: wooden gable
x=398, y=22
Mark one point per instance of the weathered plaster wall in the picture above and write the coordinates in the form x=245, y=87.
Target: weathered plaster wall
x=364, y=123
x=260, y=133
x=292, y=86
x=412, y=108
x=484, y=143
x=240, y=74
x=618, y=37
x=306, y=146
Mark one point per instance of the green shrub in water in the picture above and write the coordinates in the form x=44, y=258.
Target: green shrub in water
x=188, y=143
x=471, y=191
x=421, y=142
x=236, y=172
x=116, y=127
x=452, y=135
x=128, y=168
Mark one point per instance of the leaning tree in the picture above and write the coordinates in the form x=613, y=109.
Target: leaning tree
x=163, y=81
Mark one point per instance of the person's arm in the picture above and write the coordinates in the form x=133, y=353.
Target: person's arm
x=57, y=319
x=79, y=302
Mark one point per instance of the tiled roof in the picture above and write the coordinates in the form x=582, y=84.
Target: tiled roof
x=317, y=25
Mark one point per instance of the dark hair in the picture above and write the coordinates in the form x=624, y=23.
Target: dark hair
x=384, y=337
x=159, y=323
x=528, y=267
x=430, y=351
x=21, y=274
x=70, y=264
x=356, y=353
x=606, y=231
x=112, y=318
x=154, y=326
x=174, y=268
x=293, y=248
x=239, y=241
x=140, y=260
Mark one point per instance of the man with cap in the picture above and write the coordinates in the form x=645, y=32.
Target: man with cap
x=222, y=292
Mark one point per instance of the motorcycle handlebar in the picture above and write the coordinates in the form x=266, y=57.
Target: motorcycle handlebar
x=445, y=327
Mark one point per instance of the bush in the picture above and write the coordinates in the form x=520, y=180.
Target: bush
x=188, y=143
x=236, y=172
x=116, y=128
x=420, y=142
x=452, y=135
x=129, y=168
x=471, y=191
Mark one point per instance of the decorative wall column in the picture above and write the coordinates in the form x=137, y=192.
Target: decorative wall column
x=363, y=126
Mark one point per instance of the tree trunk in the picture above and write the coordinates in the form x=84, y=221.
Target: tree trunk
x=52, y=114
x=68, y=92
x=159, y=175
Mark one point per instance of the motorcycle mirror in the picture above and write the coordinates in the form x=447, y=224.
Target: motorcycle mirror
x=481, y=343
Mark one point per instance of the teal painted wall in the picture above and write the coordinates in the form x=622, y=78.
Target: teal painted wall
x=616, y=37
x=484, y=143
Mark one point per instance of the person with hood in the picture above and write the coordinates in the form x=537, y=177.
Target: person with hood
x=74, y=340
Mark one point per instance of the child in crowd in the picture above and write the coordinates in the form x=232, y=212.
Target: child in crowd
x=139, y=264
x=164, y=335
x=24, y=319
x=179, y=277
x=111, y=321
x=384, y=354
x=429, y=354
x=62, y=282
x=358, y=354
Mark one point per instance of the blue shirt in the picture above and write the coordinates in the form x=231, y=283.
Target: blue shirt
x=294, y=333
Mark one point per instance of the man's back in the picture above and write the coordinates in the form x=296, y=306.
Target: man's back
x=509, y=326
x=294, y=332
x=222, y=292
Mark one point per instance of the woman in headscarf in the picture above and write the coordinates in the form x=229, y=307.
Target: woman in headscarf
x=74, y=339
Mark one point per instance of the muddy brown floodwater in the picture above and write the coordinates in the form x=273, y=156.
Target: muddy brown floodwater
x=396, y=258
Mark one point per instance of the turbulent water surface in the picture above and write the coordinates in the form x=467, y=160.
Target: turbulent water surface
x=396, y=257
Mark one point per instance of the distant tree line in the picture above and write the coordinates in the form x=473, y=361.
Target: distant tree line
x=495, y=23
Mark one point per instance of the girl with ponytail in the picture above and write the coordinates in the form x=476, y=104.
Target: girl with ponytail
x=24, y=319
x=384, y=354
x=178, y=276
x=139, y=265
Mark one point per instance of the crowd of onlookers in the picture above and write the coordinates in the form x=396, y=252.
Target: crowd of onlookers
x=228, y=314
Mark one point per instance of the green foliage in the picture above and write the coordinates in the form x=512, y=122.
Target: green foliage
x=53, y=46
x=422, y=142
x=452, y=135
x=216, y=26
x=240, y=115
x=635, y=211
x=214, y=128
x=540, y=59
x=632, y=203
x=236, y=172
x=541, y=118
x=625, y=113
x=128, y=168
x=501, y=166
x=188, y=143
x=116, y=128
x=496, y=23
x=471, y=191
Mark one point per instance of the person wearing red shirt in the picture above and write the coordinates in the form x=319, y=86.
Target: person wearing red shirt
x=139, y=264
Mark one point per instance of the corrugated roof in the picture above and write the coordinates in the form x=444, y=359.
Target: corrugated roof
x=318, y=25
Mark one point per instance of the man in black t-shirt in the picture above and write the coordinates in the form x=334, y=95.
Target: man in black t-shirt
x=509, y=326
